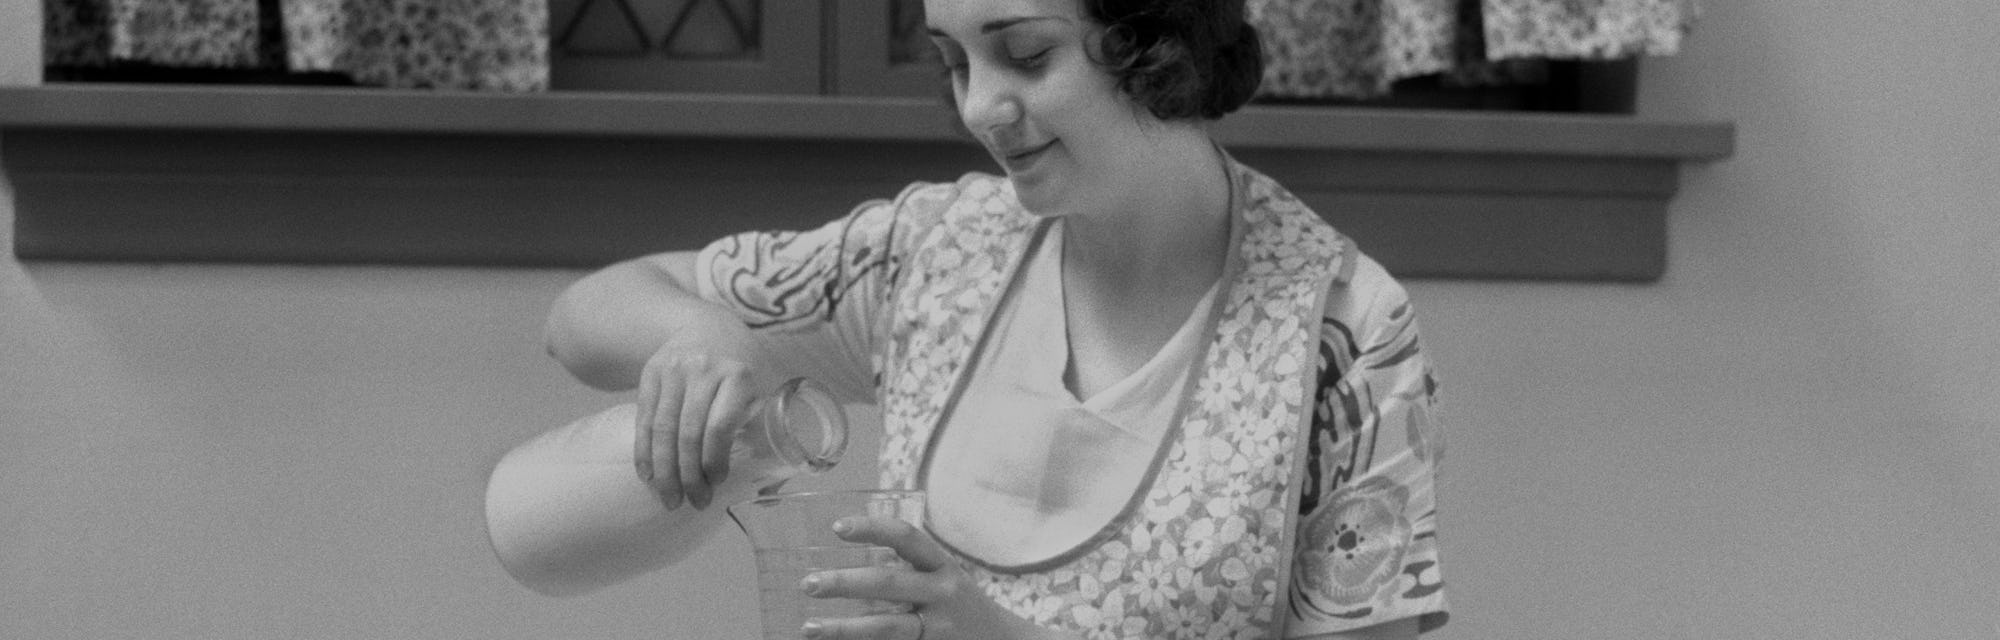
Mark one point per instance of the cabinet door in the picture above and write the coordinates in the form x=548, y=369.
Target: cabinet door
x=881, y=50
x=705, y=46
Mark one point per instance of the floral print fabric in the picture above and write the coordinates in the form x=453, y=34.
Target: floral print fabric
x=484, y=45
x=208, y=33
x=1352, y=48
x=1358, y=48
x=1264, y=461
x=1593, y=29
x=498, y=45
x=1226, y=476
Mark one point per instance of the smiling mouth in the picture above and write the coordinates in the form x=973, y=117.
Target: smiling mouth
x=1022, y=158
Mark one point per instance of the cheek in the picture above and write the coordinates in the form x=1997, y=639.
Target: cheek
x=1087, y=107
x=1097, y=94
x=1105, y=136
x=1076, y=87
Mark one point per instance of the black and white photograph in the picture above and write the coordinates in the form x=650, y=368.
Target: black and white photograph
x=999, y=319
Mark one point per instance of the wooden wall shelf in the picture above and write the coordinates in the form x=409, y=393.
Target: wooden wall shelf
x=577, y=179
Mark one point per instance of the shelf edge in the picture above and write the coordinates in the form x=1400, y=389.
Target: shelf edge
x=186, y=107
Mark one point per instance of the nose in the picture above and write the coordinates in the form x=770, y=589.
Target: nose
x=987, y=102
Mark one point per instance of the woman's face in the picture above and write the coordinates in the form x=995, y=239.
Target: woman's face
x=1027, y=88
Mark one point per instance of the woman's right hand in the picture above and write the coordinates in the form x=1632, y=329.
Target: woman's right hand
x=695, y=393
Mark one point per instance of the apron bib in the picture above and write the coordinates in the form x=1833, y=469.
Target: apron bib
x=1207, y=542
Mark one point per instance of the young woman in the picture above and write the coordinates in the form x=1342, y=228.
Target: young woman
x=1149, y=392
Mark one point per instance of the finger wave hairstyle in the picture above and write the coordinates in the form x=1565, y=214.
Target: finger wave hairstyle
x=1181, y=59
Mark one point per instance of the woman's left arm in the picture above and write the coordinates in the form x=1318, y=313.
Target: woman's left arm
x=1366, y=552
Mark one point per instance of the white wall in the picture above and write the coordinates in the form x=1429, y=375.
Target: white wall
x=1792, y=435
x=1796, y=434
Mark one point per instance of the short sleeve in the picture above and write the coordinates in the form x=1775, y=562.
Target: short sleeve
x=1367, y=542
x=823, y=292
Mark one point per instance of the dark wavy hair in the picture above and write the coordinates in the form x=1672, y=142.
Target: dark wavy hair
x=1181, y=59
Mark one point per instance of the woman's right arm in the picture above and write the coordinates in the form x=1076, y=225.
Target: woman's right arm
x=697, y=368
x=606, y=326
x=701, y=335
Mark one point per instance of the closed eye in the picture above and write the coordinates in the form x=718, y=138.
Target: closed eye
x=1030, y=61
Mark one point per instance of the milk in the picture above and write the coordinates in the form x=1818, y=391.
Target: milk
x=567, y=513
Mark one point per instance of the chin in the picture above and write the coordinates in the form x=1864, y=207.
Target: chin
x=1042, y=199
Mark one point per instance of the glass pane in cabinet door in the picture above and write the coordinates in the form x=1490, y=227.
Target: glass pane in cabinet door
x=714, y=28
x=687, y=45
x=883, y=50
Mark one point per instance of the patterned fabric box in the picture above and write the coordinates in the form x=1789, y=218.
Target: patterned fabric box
x=1359, y=48
x=180, y=33
x=494, y=45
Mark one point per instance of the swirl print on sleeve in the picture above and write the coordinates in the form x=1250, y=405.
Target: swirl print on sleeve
x=825, y=291
x=1366, y=551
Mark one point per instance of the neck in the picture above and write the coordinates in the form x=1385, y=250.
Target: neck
x=1174, y=223
x=1131, y=273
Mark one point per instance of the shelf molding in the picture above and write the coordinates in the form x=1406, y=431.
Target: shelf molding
x=580, y=179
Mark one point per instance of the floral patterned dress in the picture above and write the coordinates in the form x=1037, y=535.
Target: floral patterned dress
x=1295, y=494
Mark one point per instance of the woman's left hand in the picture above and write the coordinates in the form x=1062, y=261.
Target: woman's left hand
x=948, y=605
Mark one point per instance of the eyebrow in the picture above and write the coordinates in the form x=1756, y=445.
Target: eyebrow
x=996, y=25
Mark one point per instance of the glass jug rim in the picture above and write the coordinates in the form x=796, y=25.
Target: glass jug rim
x=832, y=424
